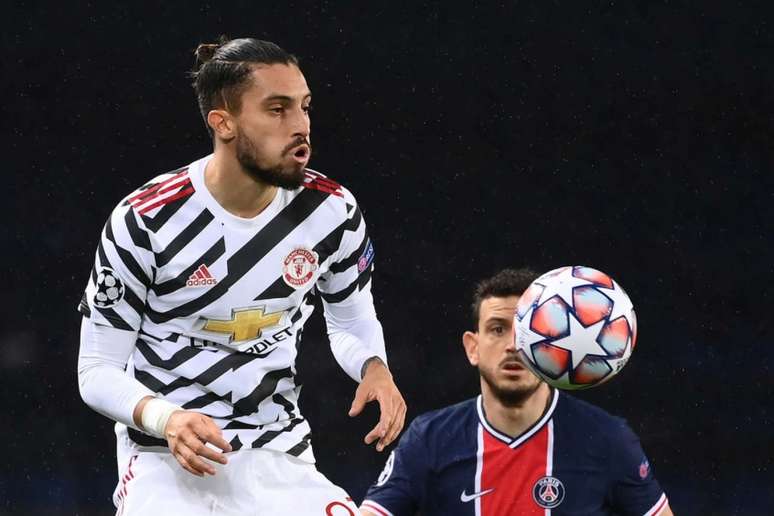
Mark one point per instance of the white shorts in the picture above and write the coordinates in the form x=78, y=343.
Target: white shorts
x=254, y=482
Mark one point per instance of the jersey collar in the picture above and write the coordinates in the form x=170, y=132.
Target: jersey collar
x=511, y=441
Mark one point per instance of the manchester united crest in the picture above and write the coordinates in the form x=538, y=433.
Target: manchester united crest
x=548, y=492
x=299, y=267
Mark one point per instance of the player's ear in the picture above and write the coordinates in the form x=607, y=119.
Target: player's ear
x=222, y=124
x=470, y=341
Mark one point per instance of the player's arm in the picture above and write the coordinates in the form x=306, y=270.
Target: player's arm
x=356, y=336
x=635, y=489
x=399, y=488
x=112, y=307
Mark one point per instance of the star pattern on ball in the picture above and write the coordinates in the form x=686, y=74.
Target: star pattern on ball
x=562, y=285
x=581, y=340
x=525, y=337
x=620, y=308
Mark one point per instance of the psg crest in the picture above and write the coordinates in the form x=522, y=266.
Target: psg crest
x=548, y=492
x=299, y=266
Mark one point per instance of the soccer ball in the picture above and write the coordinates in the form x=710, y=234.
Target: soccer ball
x=575, y=327
x=110, y=290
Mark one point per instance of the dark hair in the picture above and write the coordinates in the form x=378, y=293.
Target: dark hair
x=222, y=71
x=506, y=283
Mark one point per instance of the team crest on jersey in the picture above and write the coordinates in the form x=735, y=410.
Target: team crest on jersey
x=110, y=290
x=548, y=492
x=299, y=266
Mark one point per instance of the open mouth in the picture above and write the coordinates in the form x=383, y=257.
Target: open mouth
x=301, y=153
x=513, y=366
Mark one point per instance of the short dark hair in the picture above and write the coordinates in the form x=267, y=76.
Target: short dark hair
x=222, y=70
x=506, y=283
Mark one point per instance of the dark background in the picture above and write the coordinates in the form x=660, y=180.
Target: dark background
x=635, y=138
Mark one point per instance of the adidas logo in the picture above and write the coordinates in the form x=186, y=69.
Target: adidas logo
x=201, y=277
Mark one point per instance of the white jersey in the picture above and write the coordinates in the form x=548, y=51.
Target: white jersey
x=219, y=302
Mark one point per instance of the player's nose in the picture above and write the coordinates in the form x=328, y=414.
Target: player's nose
x=301, y=125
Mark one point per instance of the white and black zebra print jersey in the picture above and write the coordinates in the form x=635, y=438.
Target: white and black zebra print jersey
x=219, y=302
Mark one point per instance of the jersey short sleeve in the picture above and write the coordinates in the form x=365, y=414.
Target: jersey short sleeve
x=398, y=490
x=349, y=273
x=123, y=268
x=635, y=489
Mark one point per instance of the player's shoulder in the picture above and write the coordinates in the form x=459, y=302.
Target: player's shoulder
x=337, y=193
x=158, y=191
x=590, y=415
x=447, y=420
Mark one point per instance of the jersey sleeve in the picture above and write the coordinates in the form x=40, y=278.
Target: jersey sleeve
x=349, y=273
x=399, y=488
x=635, y=489
x=123, y=268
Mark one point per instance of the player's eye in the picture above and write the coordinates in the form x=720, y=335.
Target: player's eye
x=307, y=109
x=498, y=330
x=277, y=110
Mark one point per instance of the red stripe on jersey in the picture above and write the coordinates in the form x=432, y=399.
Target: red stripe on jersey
x=180, y=183
x=323, y=188
x=155, y=187
x=314, y=176
x=185, y=192
x=512, y=473
x=373, y=507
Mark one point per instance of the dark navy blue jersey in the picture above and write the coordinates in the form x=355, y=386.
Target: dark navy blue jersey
x=576, y=459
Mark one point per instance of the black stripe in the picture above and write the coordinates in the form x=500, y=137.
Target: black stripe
x=166, y=212
x=206, y=399
x=208, y=258
x=83, y=306
x=266, y=437
x=115, y=320
x=277, y=290
x=251, y=253
x=182, y=239
x=178, y=358
x=249, y=404
x=235, y=443
x=343, y=294
x=139, y=237
x=144, y=439
x=137, y=304
x=148, y=380
x=126, y=257
x=352, y=259
x=300, y=447
x=238, y=425
x=286, y=404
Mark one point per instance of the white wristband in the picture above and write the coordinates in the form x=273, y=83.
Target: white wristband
x=155, y=415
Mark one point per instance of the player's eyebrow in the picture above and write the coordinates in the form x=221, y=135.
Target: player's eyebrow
x=276, y=97
x=497, y=319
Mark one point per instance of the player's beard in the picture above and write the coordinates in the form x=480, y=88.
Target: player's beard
x=287, y=177
x=510, y=395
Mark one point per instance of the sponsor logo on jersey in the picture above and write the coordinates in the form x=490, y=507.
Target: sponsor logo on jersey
x=110, y=290
x=367, y=257
x=465, y=498
x=644, y=469
x=299, y=266
x=548, y=492
x=201, y=277
x=245, y=323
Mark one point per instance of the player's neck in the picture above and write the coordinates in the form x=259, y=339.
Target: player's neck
x=515, y=420
x=237, y=192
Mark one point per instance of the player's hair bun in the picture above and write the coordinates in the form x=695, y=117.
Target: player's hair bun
x=205, y=51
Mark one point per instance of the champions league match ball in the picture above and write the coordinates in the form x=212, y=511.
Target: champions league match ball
x=575, y=327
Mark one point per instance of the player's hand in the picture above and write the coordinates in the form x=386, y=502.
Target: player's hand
x=378, y=385
x=187, y=434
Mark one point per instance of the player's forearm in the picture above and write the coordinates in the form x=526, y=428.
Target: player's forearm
x=355, y=345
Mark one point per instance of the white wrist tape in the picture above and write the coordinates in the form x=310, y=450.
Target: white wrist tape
x=155, y=415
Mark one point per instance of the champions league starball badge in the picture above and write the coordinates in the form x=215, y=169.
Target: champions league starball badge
x=110, y=290
x=548, y=492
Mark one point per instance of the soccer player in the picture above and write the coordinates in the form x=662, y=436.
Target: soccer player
x=193, y=314
x=521, y=447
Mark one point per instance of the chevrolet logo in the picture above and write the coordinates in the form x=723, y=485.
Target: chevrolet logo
x=245, y=323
